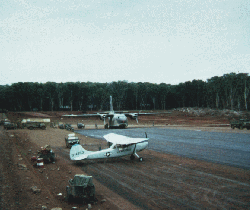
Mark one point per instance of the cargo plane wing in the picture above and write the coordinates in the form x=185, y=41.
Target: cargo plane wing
x=115, y=119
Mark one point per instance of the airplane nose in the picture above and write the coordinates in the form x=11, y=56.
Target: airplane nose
x=122, y=120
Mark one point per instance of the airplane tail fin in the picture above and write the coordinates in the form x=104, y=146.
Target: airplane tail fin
x=77, y=152
x=111, y=105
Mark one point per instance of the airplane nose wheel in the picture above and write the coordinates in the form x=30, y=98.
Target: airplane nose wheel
x=140, y=159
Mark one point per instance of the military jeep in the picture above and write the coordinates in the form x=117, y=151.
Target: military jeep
x=80, y=125
x=61, y=125
x=68, y=127
x=71, y=140
x=81, y=188
x=241, y=124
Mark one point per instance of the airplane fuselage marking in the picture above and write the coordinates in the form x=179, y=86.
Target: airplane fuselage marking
x=77, y=153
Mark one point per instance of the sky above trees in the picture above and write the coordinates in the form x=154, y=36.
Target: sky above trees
x=160, y=41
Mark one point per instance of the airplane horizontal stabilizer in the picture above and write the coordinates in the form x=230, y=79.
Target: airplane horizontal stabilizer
x=77, y=152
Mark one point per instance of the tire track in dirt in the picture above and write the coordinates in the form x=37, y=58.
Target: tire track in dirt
x=149, y=190
x=197, y=180
x=107, y=179
x=166, y=185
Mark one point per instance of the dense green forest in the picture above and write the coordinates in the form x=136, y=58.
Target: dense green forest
x=230, y=91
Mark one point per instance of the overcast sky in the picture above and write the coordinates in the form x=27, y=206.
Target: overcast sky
x=156, y=41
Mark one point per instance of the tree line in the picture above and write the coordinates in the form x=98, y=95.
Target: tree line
x=230, y=91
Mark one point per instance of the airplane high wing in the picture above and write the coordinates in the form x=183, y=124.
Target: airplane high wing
x=123, y=140
x=120, y=146
x=116, y=119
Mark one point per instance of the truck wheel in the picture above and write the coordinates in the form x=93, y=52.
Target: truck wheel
x=31, y=128
x=43, y=128
x=70, y=198
x=241, y=127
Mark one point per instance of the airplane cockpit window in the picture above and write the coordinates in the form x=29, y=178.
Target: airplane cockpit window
x=122, y=147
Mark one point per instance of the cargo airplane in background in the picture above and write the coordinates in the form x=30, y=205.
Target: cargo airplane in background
x=115, y=119
x=119, y=146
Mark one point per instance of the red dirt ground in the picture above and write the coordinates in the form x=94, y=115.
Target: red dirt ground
x=18, y=174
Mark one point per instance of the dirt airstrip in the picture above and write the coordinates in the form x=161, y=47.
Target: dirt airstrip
x=182, y=183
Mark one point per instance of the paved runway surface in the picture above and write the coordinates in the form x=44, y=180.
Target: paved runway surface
x=224, y=148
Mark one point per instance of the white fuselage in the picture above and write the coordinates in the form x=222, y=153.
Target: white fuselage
x=118, y=121
x=114, y=151
x=118, y=150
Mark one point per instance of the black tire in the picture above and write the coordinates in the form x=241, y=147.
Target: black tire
x=70, y=198
x=31, y=128
x=140, y=159
x=241, y=127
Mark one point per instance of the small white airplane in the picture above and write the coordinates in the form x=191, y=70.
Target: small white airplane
x=120, y=146
x=115, y=119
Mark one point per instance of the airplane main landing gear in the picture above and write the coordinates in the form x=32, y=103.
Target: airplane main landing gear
x=132, y=157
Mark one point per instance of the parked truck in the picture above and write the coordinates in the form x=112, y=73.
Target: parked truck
x=241, y=124
x=9, y=125
x=32, y=125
